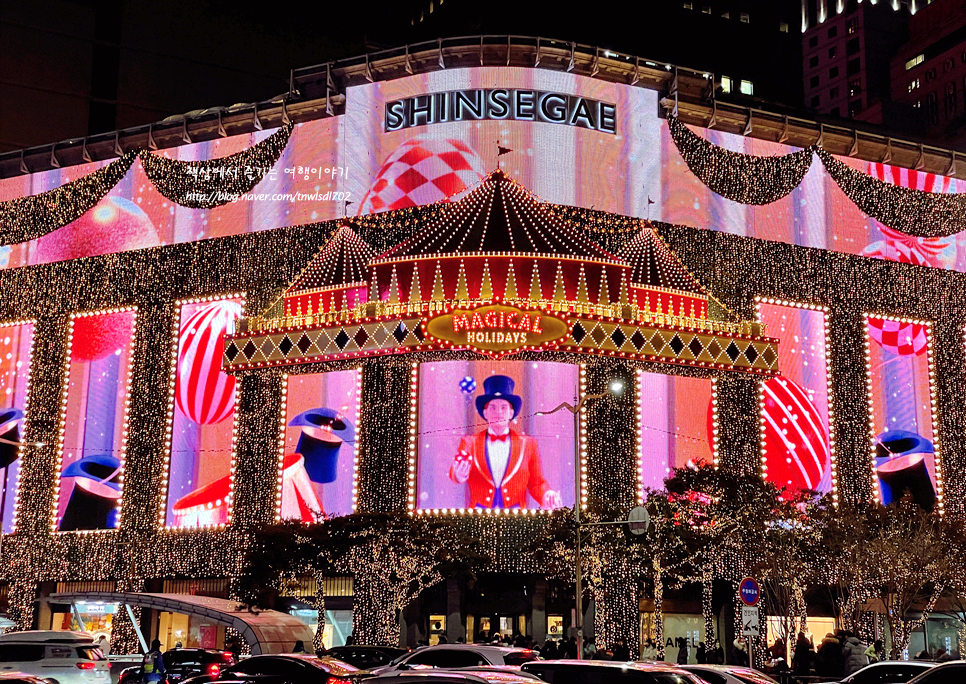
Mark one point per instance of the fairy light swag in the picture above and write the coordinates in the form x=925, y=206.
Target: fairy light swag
x=740, y=177
x=198, y=474
x=94, y=420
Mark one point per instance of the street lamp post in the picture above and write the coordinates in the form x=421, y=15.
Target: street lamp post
x=615, y=389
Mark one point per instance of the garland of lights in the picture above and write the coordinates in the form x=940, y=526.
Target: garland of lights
x=914, y=212
x=200, y=185
x=214, y=182
x=740, y=177
x=153, y=280
x=31, y=217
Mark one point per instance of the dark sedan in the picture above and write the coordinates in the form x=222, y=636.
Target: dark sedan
x=183, y=663
x=365, y=657
x=289, y=668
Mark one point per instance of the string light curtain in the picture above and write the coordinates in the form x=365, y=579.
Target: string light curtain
x=28, y=218
x=914, y=212
x=740, y=177
x=198, y=185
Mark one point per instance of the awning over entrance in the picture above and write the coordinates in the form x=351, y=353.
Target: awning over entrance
x=266, y=631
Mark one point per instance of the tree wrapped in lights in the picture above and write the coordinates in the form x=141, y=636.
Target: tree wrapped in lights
x=392, y=556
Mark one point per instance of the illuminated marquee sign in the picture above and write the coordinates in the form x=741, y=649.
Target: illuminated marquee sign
x=501, y=104
x=497, y=329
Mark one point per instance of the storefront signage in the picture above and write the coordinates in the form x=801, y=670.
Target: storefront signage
x=497, y=329
x=501, y=104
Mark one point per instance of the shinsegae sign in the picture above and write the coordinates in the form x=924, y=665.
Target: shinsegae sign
x=501, y=104
x=497, y=329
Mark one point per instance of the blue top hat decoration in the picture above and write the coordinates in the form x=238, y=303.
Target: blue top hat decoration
x=324, y=430
x=9, y=431
x=498, y=387
x=900, y=442
x=102, y=468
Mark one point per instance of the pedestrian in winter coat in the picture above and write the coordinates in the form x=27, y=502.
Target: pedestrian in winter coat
x=828, y=658
x=701, y=654
x=804, y=655
x=649, y=651
x=682, y=651
x=854, y=653
x=739, y=654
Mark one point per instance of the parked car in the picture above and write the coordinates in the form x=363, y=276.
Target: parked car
x=366, y=657
x=728, y=674
x=608, y=672
x=58, y=657
x=288, y=668
x=888, y=672
x=953, y=672
x=461, y=676
x=459, y=655
x=21, y=678
x=184, y=663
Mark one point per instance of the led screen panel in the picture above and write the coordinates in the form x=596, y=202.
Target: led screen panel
x=94, y=428
x=902, y=411
x=16, y=347
x=479, y=443
x=675, y=413
x=202, y=411
x=795, y=417
x=320, y=441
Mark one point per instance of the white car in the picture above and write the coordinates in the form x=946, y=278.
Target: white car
x=58, y=657
x=458, y=655
x=728, y=674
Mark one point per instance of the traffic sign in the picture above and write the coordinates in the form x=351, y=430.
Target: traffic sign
x=749, y=621
x=749, y=591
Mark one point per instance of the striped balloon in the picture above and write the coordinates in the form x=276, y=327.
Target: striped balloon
x=204, y=393
x=909, y=178
x=796, y=445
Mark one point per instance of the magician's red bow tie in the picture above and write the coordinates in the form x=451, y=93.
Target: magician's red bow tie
x=500, y=438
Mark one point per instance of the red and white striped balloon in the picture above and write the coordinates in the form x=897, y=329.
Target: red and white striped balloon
x=204, y=393
x=796, y=445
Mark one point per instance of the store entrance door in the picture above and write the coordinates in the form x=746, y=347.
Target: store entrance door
x=484, y=628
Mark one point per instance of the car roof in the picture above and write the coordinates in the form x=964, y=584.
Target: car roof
x=629, y=665
x=475, y=647
x=47, y=636
x=311, y=657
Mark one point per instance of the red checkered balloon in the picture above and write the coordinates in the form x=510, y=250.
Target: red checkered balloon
x=421, y=171
x=898, y=338
x=796, y=445
x=204, y=393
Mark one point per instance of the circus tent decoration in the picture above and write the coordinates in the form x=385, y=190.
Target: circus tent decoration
x=497, y=272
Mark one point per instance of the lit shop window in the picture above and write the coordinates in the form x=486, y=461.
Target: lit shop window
x=783, y=26
x=745, y=18
x=747, y=88
x=726, y=84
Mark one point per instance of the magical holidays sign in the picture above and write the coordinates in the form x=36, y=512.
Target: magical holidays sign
x=497, y=329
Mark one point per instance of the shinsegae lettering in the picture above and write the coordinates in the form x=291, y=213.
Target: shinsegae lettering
x=501, y=104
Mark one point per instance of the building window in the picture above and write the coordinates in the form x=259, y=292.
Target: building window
x=932, y=108
x=747, y=88
x=831, y=52
x=930, y=74
x=813, y=42
x=814, y=82
x=832, y=32
x=833, y=93
x=854, y=66
x=814, y=100
x=726, y=84
x=913, y=84
x=688, y=5
x=813, y=62
x=833, y=72
x=950, y=100
x=783, y=26
x=855, y=106
x=725, y=14
x=705, y=9
x=855, y=87
x=745, y=18
x=962, y=58
x=948, y=65
x=915, y=61
x=852, y=25
x=852, y=47
x=835, y=111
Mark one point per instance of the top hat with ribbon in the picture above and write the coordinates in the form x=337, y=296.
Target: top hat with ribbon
x=901, y=467
x=498, y=387
x=97, y=488
x=324, y=430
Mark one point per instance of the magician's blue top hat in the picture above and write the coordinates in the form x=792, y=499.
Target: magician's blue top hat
x=897, y=442
x=323, y=432
x=498, y=387
x=102, y=468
